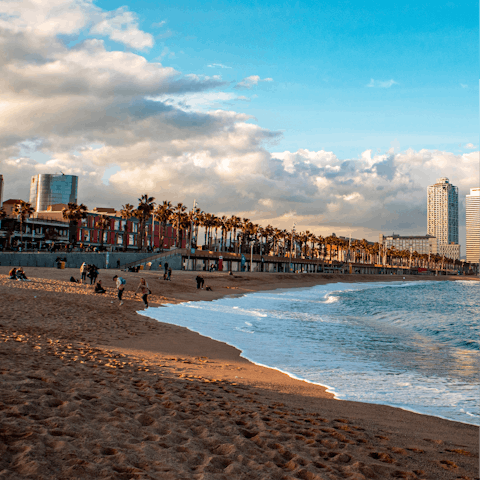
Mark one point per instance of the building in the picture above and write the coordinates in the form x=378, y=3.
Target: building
x=1, y=190
x=442, y=212
x=37, y=233
x=451, y=250
x=120, y=233
x=48, y=189
x=423, y=244
x=473, y=225
x=9, y=206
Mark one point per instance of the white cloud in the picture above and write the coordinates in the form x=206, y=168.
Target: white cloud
x=353, y=197
x=217, y=65
x=470, y=146
x=381, y=84
x=122, y=26
x=251, y=81
x=87, y=109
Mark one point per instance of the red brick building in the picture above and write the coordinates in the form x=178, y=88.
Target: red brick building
x=120, y=234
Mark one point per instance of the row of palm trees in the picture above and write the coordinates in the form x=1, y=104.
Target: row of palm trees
x=241, y=235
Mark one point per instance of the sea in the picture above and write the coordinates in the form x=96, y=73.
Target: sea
x=411, y=345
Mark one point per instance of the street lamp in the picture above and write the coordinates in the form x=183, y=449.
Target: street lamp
x=252, y=242
x=291, y=246
x=190, y=234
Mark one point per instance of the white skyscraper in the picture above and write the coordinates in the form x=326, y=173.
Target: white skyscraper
x=473, y=225
x=442, y=211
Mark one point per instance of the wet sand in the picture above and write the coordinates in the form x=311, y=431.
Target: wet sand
x=90, y=390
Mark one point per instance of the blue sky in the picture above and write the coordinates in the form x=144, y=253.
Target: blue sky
x=336, y=116
x=321, y=58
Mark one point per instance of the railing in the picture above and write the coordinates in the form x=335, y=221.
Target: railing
x=164, y=255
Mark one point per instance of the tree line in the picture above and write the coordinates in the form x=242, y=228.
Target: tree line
x=241, y=235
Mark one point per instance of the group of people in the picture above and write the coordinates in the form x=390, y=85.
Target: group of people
x=142, y=287
x=90, y=271
x=17, y=274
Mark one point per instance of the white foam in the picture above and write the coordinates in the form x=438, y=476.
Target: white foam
x=337, y=352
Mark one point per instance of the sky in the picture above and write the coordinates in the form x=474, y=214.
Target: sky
x=332, y=115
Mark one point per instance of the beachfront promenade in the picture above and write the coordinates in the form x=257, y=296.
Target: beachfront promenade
x=201, y=260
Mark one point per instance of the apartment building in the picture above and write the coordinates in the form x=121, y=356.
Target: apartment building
x=442, y=213
x=473, y=225
x=423, y=244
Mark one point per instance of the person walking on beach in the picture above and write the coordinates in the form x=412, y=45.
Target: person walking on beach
x=169, y=276
x=145, y=291
x=120, y=282
x=94, y=274
x=200, y=281
x=83, y=272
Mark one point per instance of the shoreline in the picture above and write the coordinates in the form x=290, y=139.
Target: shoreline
x=328, y=388
x=77, y=372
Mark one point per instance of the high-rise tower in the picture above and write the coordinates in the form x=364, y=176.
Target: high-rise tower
x=1, y=190
x=48, y=189
x=442, y=211
x=473, y=225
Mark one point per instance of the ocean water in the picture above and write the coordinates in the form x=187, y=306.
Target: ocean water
x=413, y=345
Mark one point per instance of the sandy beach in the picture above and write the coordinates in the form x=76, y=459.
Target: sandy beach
x=89, y=389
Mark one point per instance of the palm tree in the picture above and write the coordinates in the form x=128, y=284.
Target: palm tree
x=178, y=210
x=103, y=223
x=126, y=213
x=193, y=221
x=236, y=223
x=320, y=241
x=74, y=213
x=163, y=214
x=23, y=210
x=183, y=226
x=143, y=212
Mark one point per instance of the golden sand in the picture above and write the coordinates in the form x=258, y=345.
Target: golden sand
x=89, y=389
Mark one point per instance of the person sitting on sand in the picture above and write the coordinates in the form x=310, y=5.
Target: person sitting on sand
x=120, y=287
x=21, y=274
x=13, y=274
x=200, y=282
x=143, y=287
x=99, y=287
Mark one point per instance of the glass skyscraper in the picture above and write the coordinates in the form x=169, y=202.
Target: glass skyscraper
x=49, y=189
